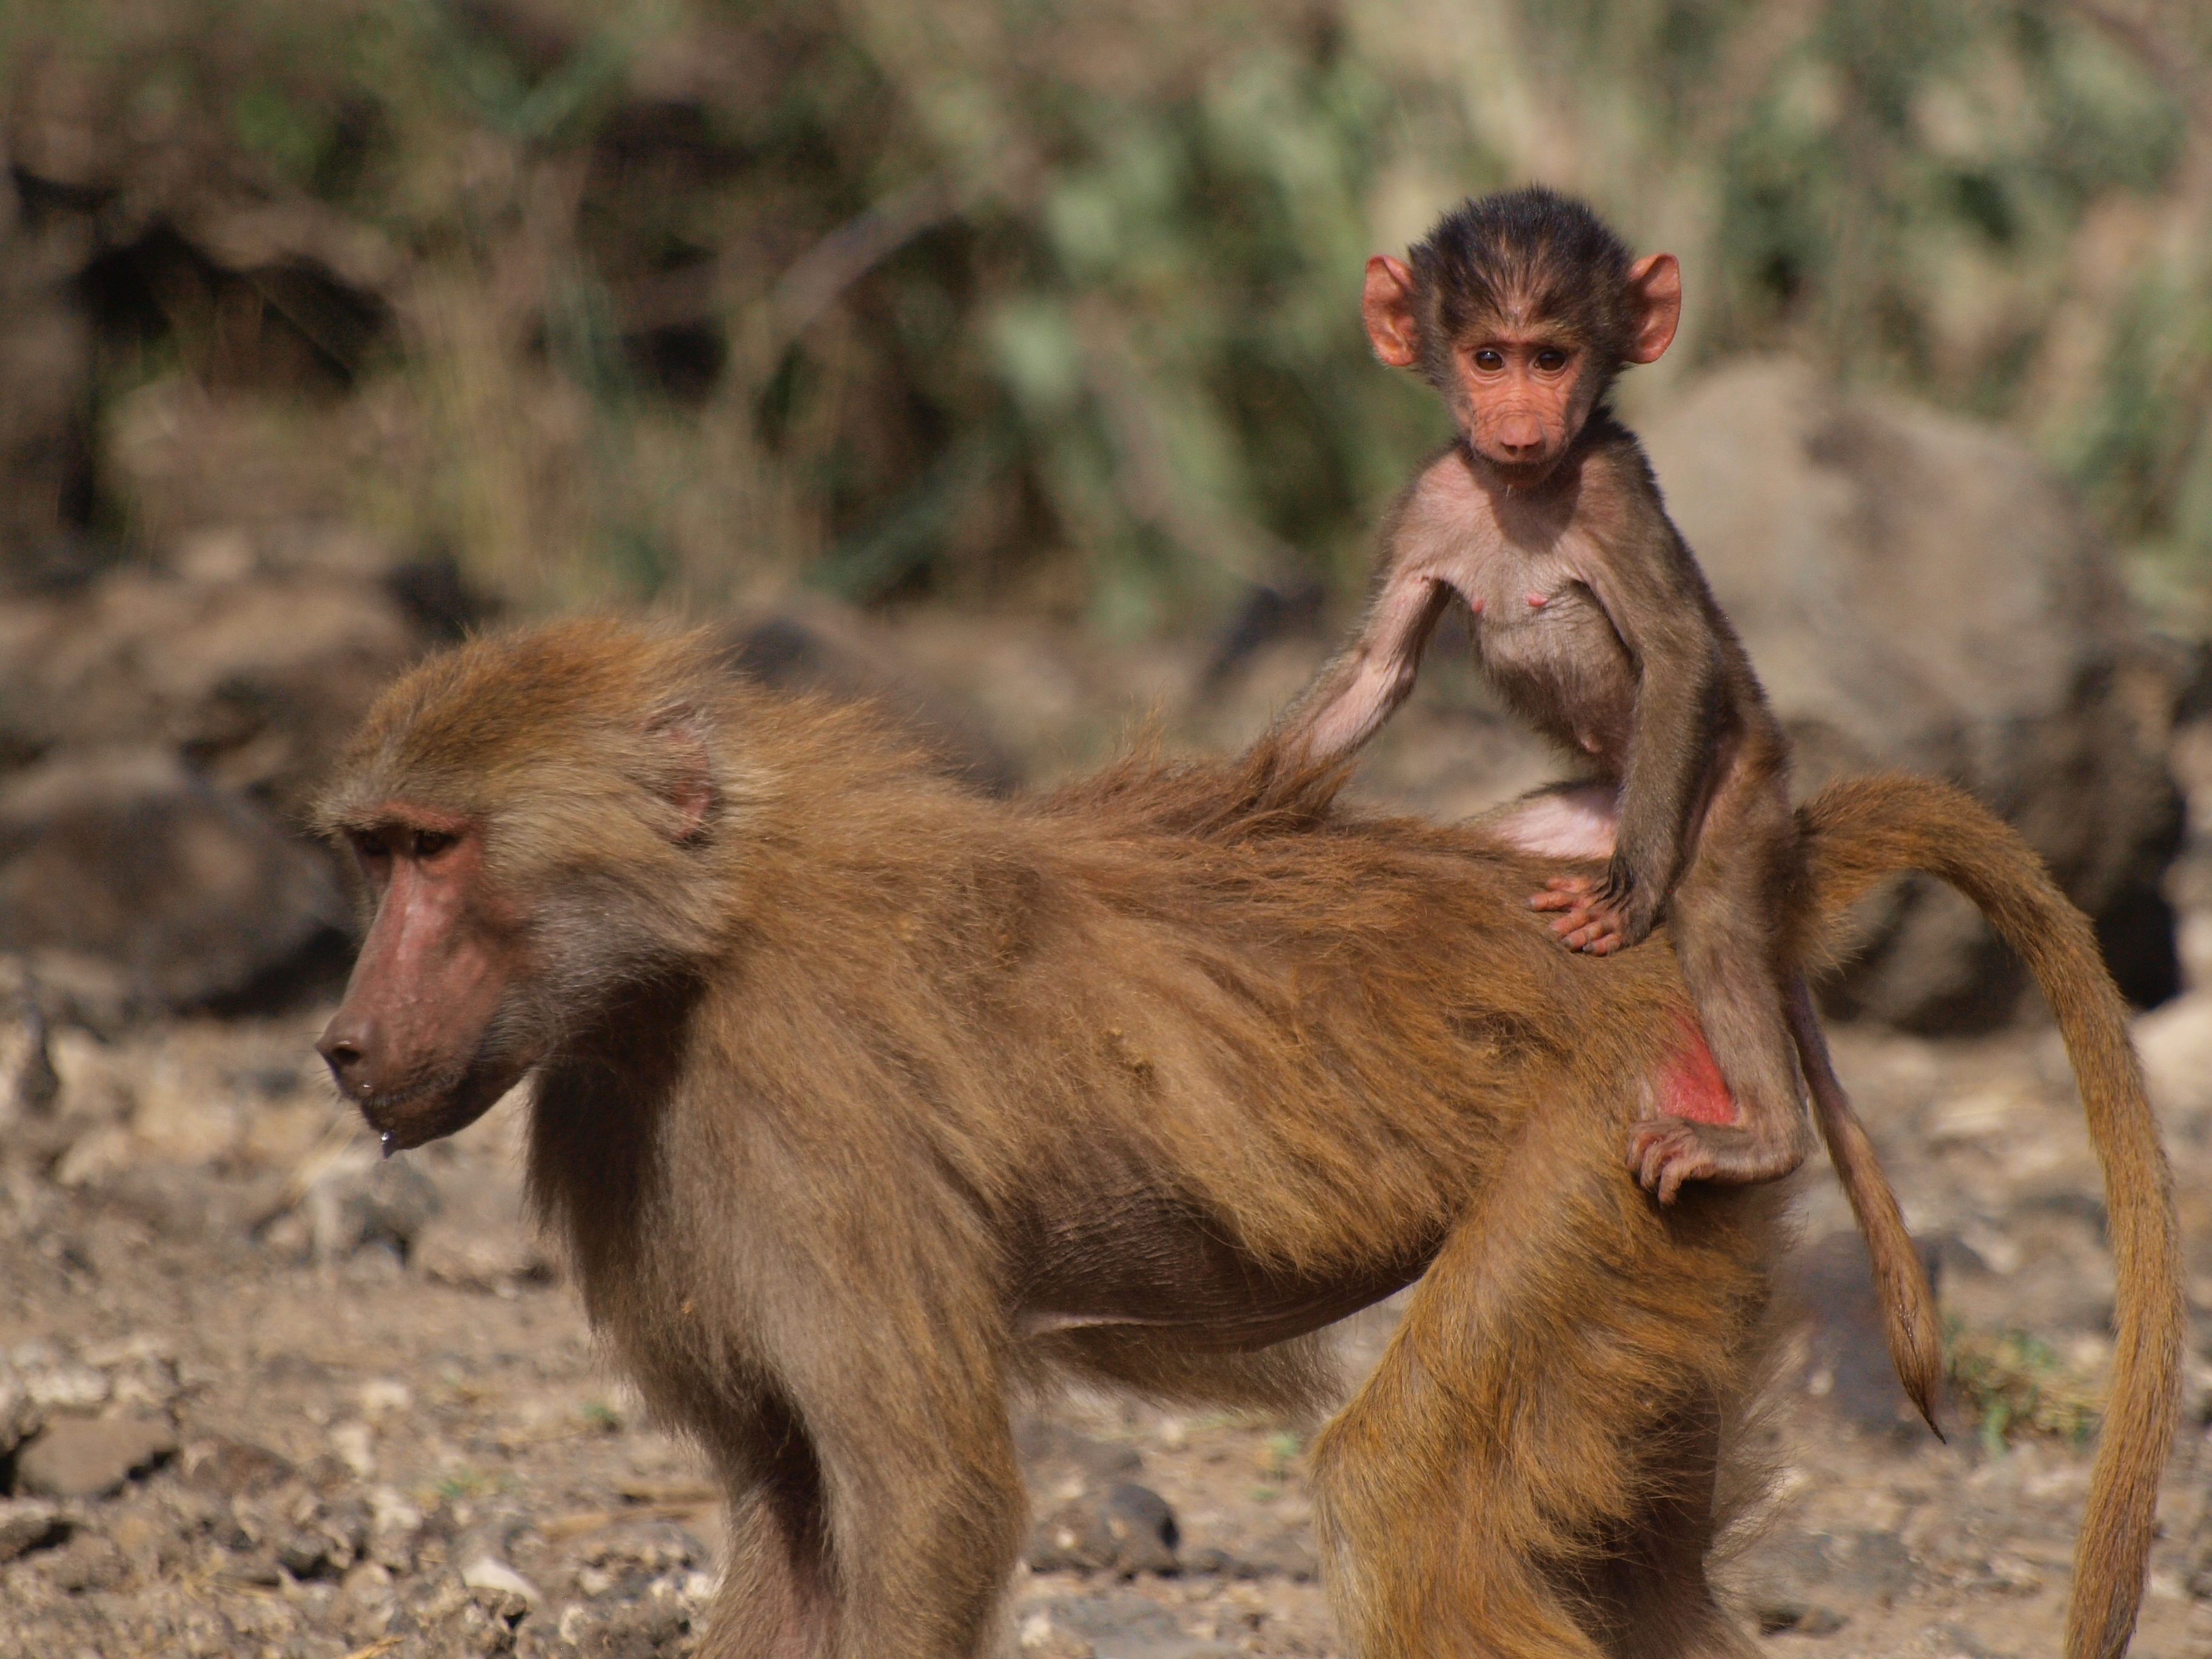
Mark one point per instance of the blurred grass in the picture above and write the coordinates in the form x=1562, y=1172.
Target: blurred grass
x=2009, y=1382
x=1028, y=302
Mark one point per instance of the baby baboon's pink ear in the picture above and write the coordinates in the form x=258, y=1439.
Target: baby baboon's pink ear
x=1654, y=299
x=1386, y=304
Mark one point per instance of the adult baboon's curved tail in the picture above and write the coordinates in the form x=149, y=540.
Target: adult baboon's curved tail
x=1860, y=830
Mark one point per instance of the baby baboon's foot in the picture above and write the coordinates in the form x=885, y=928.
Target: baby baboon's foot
x=1665, y=1152
x=1590, y=920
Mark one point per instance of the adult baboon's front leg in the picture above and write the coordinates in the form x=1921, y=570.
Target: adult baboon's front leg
x=905, y=1554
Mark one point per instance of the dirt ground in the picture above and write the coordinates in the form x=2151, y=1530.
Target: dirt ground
x=274, y=1397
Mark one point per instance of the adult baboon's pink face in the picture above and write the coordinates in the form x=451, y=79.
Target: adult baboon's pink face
x=419, y=1043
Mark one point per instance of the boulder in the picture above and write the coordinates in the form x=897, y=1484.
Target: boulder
x=254, y=677
x=826, y=649
x=190, y=896
x=1917, y=591
x=161, y=732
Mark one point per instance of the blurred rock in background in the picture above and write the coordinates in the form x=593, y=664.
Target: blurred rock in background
x=1918, y=593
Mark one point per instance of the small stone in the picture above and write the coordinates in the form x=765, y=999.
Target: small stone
x=248, y=1568
x=1129, y=1529
x=657, y=1546
x=2175, y=1042
x=1070, y=1540
x=233, y=1467
x=27, y=1524
x=140, y=1537
x=354, y=1445
x=1044, y=1638
x=303, y=1554
x=99, y=1152
x=88, y=1457
x=1288, y=1554
x=140, y=1348
x=1143, y=1529
x=359, y=1201
x=389, y=1511
x=1793, y=1573
x=88, y=1562
x=67, y=1387
x=366, y=1581
x=468, y=1258
x=639, y=1627
x=20, y=1418
x=28, y=1083
x=385, y=1394
x=491, y=1574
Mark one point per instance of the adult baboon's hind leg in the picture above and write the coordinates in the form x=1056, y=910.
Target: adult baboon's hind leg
x=1515, y=1429
x=1648, y=1594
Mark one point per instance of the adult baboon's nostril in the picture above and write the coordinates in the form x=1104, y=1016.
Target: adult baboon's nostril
x=345, y=1048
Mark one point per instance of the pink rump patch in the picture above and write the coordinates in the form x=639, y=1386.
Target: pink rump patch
x=1691, y=1087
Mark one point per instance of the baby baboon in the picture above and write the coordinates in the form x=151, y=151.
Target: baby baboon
x=1593, y=620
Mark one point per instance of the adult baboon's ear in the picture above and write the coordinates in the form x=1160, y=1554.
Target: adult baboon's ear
x=688, y=784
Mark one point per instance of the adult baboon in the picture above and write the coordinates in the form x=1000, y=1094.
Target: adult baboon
x=861, y=1097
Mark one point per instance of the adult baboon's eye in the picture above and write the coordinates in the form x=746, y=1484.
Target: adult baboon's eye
x=372, y=851
x=428, y=843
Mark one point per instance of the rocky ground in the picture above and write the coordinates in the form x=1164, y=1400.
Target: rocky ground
x=263, y=1395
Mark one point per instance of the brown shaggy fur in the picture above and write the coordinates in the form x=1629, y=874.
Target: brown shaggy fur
x=861, y=1098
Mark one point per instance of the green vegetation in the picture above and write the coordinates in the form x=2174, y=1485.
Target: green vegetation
x=2010, y=1383
x=465, y=1483
x=1277, y=1453
x=1033, y=301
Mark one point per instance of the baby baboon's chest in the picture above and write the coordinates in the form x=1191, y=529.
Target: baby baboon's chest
x=1546, y=645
